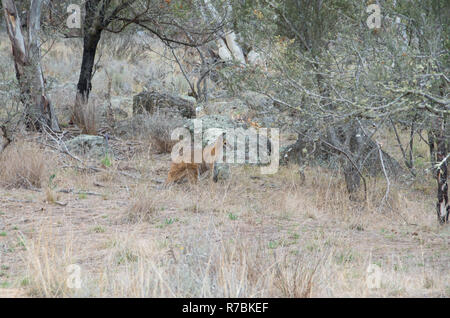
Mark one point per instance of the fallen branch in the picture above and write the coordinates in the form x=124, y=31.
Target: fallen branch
x=69, y=191
x=62, y=148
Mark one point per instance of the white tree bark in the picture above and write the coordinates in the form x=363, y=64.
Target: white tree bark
x=228, y=46
x=224, y=52
x=27, y=60
x=234, y=47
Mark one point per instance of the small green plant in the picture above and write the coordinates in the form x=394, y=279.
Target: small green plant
x=25, y=282
x=232, y=217
x=99, y=229
x=106, y=161
x=2, y=233
x=167, y=222
x=20, y=243
x=311, y=247
x=5, y=285
x=51, y=185
x=126, y=257
x=170, y=221
x=82, y=196
x=344, y=258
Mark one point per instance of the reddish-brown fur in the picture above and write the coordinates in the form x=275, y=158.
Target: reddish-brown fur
x=191, y=171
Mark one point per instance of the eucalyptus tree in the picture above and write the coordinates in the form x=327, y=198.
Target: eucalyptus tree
x=419, y=78
x=175, y=23
x=26, y=50
x=345, y=80
x=314, y=78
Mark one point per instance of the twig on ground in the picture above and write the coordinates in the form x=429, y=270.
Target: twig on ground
x=68, y=191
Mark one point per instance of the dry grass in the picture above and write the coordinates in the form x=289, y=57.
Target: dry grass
x=132, y=267
x=46, y=273
x=251, y=236
x=212, y=264
x=200, y=268
x=22, y=165
x=86, y=117
x=143, y=206
x=158, y=130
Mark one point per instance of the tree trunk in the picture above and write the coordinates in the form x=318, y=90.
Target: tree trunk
x=228, y=46
x=93, y=27
x=353, y=143
x=346, y=139
x=84, y=86
x=351, y=177
x=27, y=59
x=442, y=157
x=5, y=138
x=442, y=206
x=234, y=47
x=431, y=145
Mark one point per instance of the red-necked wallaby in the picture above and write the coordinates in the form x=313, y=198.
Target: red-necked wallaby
x=192, y=171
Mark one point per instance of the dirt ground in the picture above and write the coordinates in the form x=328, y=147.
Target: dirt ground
x=250, y=236
x=89, y=230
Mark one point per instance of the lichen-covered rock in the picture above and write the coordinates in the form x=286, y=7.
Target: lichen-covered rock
x=251, y=107
x=210, y=122
x=238, y=135
x=230, y=107
x=88, y=145
x=130, y=127
x=257, y=101
x=163, y=103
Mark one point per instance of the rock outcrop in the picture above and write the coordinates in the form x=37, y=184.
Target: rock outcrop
x=87, y=145
x=164, y=103
x=239, y=137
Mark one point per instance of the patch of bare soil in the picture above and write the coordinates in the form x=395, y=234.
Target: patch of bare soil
x=84, y=219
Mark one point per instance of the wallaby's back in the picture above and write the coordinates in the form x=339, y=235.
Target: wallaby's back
x=190, y=170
